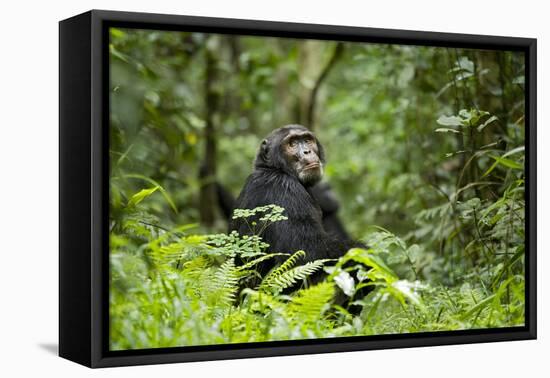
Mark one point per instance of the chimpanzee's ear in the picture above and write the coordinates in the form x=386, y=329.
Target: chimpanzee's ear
x=262, y=159
x=321, y=152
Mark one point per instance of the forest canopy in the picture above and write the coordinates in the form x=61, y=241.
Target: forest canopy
x=425, y=152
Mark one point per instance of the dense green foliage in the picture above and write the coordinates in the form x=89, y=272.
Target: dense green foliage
x=425, y=150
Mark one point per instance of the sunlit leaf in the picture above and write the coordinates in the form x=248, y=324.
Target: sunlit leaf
x=450, y=121
x=445, y=130
x=141, y=195
x=345, y=282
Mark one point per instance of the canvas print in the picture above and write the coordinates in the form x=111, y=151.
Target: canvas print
x=270, y=189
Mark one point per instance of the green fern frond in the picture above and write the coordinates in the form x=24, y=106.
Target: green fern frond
x=196, y=267
x=309, y=305
x=290, y=262
x=284, y=267
x=254, y=262
x=184, y=248
x=226, y=283
x=289, y=278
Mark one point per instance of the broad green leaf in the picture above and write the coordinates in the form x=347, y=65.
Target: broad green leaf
x=345, y=282
x=466, y=64
x=446, y=130
x=508, y=162
x=503, y=161
x=450, y=121
x=151, y=181
x=141, y=195
x=409, y=290
x=466, y=114
x=366, y=258
x=514, y=151
x=116, y=33
x=475, y=116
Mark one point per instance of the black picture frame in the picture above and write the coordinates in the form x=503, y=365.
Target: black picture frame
x=84, y=193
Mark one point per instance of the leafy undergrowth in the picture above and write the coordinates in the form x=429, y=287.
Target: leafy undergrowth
x=175, y=288
x=428, y=142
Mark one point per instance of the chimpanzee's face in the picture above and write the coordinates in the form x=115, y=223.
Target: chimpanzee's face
x=301, y=152
x=294, y=150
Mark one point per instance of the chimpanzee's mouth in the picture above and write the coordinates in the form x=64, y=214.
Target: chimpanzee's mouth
x=311, y=166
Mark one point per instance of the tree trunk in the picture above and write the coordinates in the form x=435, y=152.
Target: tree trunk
x=207, y=172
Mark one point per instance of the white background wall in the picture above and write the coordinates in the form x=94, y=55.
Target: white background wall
x=29, y=187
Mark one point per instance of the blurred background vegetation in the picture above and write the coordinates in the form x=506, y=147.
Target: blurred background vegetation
x=425, y=143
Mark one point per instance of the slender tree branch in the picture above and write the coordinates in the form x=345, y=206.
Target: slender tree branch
x=313, y=96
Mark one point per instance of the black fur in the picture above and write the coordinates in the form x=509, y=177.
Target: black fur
x=325, y=197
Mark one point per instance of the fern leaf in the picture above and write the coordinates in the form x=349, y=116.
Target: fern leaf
x=309, y=305
x=291, y=277
x=250, y=264
x=284, y=267
x=226, y=283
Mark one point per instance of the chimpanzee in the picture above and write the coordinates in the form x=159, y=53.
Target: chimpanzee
x=289, y=163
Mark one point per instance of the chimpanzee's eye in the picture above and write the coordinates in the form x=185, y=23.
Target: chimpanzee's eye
x=292, y=143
